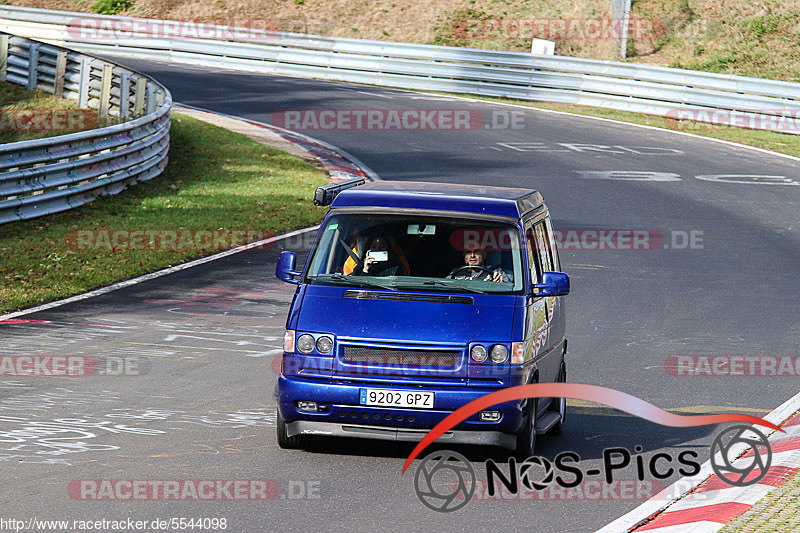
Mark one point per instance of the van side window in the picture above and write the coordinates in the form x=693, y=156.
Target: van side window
x=533, y=256
x=551, y=239
x=542, y=245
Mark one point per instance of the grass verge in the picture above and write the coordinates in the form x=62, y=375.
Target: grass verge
x=215, y=180
x=26, y=115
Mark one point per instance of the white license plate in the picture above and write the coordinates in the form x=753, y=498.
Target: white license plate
x=396, y=398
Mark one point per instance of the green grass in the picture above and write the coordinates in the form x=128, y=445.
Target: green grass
x=215, y=179
x=111, y=7
x=776, y=512
x=15, y=98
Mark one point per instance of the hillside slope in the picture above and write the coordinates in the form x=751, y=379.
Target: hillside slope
x=737, y=37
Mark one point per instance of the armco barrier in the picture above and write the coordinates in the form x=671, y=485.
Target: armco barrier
x=616, y=85
x=44, y=176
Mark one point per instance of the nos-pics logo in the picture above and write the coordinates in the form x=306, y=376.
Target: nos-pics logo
x=445, y=481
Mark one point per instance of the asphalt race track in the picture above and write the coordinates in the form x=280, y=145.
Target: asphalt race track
x=204, y=409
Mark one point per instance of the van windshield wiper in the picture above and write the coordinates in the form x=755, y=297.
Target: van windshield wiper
x=359, y=280
x=442, y=284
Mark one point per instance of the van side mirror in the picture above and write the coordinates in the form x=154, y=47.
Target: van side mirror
x=553, y=284
x=285, y=269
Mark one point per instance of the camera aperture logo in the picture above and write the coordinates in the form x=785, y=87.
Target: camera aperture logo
x=442, y=470
x=751, y=469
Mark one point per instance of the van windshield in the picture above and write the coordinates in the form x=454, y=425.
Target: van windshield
x=416, y=252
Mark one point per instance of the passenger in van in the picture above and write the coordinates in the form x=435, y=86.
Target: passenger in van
x=474, y=269
x=383, y=259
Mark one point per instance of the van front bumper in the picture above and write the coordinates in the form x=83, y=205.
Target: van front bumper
x=341, y=413
x=329, y=429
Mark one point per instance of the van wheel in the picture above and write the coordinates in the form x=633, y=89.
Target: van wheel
x=287, y=443
x=560, y=405
x=526, y=440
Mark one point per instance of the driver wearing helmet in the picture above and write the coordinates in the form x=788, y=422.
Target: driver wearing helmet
x=474, y=269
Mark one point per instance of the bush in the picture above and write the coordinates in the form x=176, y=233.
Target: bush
x=110, y=7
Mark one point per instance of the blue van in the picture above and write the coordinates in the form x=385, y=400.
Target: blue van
x=416, y=299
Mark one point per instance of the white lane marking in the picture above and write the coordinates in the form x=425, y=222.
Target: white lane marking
x=750, y=179
x=704, y=526
x=533, y=146
x=622, y=122
x=225, y=349
x=379, y=95
x=171, y=338
x=642, y=150
x=266, y=354
x=628, y=175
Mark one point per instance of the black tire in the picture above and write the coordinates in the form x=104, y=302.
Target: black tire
x=287, y=443
x=559, y=405
x=526, y=440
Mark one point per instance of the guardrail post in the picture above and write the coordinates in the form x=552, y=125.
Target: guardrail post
x=61, y=69
x=83, y=95
x=3, y=56
x=151, y=97
x=124, y=94
x=138, y=103
x=33, y=65
x=105, y=89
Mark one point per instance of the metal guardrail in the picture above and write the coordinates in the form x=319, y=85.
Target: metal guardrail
x=617, y=85
x=44, y=176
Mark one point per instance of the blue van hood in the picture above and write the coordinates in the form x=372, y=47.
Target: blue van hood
x=412, y=317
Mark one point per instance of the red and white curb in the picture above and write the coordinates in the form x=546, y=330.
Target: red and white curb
x=339, y=164
x=704, y=503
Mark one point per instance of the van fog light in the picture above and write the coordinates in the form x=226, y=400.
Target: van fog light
x=305, y=405
x=490, y=416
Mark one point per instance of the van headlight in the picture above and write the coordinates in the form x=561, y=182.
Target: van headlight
x=324, y=344
x=498, y=354
x=305, y=343
x=478, y=353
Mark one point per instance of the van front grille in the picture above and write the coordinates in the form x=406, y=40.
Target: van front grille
x=393, y=356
